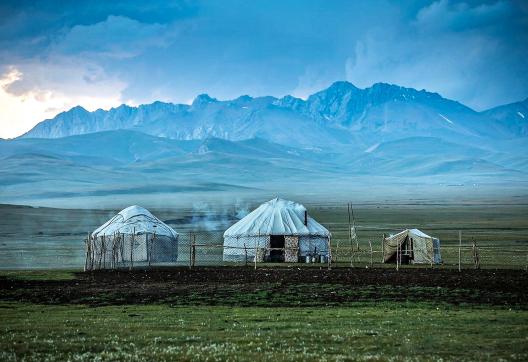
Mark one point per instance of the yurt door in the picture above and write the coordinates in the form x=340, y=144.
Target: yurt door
x=277, y=248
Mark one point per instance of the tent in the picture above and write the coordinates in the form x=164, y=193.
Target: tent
x=278, y=230
x=411, y=246
x=133, y=236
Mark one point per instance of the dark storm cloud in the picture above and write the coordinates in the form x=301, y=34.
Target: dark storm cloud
x=474, y=52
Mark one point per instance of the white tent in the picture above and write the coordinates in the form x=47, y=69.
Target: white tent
x=133, y=235
x=276, y=224
x=411, y=246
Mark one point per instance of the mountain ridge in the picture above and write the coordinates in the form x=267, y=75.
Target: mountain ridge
x=336, y=114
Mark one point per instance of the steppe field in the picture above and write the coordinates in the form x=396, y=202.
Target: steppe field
x=51, y=310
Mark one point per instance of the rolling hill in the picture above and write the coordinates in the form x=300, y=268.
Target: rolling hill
x=335, y=137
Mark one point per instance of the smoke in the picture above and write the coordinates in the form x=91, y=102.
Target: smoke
x=241, y=209
x=217, y=217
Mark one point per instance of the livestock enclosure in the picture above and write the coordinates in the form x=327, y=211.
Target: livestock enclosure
x=207, y=249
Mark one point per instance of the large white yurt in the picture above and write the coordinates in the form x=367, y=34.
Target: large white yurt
x=282, y=226
x=132, y=237
x=411, y=246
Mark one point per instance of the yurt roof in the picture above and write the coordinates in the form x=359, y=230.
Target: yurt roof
x=277, y=217
x=134, y=219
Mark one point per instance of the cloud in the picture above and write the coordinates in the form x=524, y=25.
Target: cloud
x=115, y=37
x=32, y=92
x=443, y=15
x=138, y=52
x=473, y=54
x=73, y=70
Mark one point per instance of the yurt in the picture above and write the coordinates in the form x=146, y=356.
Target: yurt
x=411, y=246
x=132, y=237
x=277, y=231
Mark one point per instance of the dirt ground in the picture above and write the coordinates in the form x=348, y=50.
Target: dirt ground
x=274, y=287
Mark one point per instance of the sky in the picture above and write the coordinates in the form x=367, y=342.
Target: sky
x=55, y=55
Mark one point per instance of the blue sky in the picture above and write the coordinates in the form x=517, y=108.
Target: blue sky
x=57, y=54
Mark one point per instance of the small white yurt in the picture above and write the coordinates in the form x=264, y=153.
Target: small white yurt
x=411, y=246
x=278, y=231
x=132, y=237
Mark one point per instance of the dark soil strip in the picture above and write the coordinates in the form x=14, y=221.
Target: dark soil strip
x=275, y=287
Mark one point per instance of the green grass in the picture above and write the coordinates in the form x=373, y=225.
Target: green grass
x=43, y=274
x=364, y=331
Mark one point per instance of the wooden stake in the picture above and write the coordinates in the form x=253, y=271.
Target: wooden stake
x=256, y=249
x=194, y=251
x=190, y=250
x=245, y=252
x=86, y=246
x=459, y=250
x=329, y=253
x=131, y=247
x=103, y=249
x=350, y=237
x=371, y=256
x=397, y=257
x=383, y=249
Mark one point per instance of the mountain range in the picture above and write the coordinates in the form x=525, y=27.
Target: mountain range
x=267, y=143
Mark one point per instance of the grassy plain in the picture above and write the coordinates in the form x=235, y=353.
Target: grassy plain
x=179, y=314
x=367, y=331
x=273, y=320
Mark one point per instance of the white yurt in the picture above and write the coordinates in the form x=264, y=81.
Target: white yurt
x=132, y=237
x=282, y=226
x=411, y=246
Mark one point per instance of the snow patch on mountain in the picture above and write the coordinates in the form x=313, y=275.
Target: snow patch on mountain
x=372, y=148
x=446, y=119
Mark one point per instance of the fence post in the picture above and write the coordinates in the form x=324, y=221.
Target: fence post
x=433, y=252
x=147, y=248
x=329, y=253
x=92, y=251
x=100, y=252
x=86, y=243
x=337, y=251
x=245, y=252
x=476, y=255
x=383, y=249
x=190, y=250
x=255, y=258
x=371, y=255
x=132, y=239
x=104, y=251
x=397, y=257
x=193, y=250
x=459, y=250
x=114, y=251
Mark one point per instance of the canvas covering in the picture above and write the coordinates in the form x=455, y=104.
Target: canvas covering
x=425, y=249
x=252, y=234
x=134, y=235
